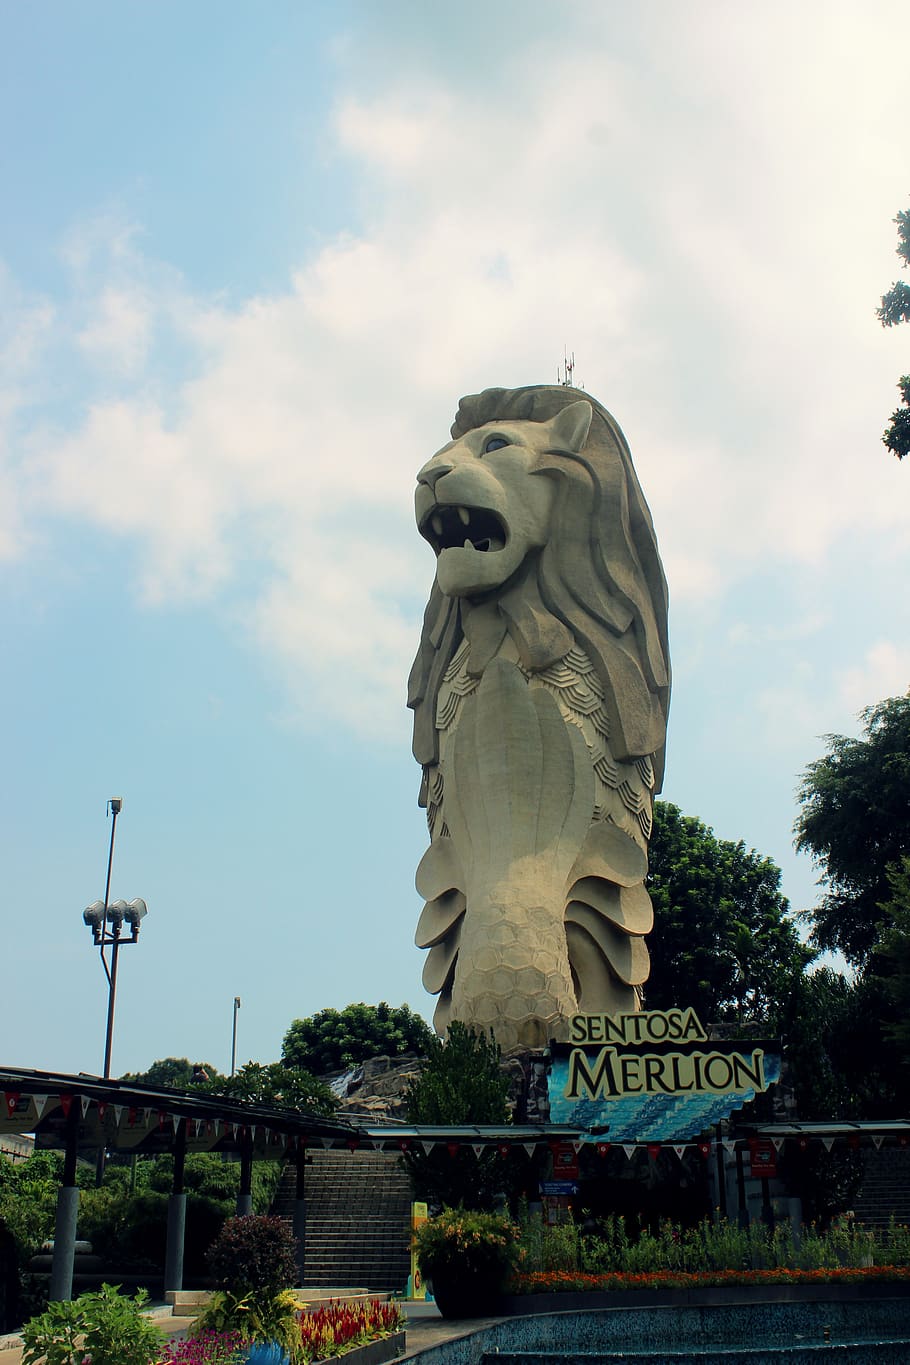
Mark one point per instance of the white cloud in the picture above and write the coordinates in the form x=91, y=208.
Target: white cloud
x=883, y=672
x=701, y=227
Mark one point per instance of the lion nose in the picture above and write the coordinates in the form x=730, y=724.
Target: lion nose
x=433, y=472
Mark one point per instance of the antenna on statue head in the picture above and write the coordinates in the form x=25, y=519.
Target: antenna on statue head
x=566, y=376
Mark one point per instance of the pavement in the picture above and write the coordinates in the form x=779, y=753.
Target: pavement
x=425, y=1328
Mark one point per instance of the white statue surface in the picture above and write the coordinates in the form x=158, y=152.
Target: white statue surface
x=540, y=693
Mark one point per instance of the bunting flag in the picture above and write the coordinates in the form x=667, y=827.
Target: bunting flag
x=12, y=1099
x=84, y=1102
x=603, y=1148
x=729, y=1144
x=679, y=1148
x=39, y=1102
x=653, y=1150
x=777, y=1142
x=118, y=1113
x=576, y=1147
x=705, y=1149
x=452, y=1148
x=428, y=1147
x=629, y=1149
x=353, y=1144
x=404, y=1145
x=327, y=1144
x=504, y=1149
x=530, y=1147
x=133, y=1115
x=827, y=1143
x=803, y=1143
x=102, y=1109
x=162, y=1115
x=877, y=1140
x=66, y=1103
x=853, y=1141
x=902, y=1140
x=477, y=1148
x=175, y=1120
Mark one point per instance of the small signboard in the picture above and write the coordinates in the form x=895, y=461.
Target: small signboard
x=762, y=1159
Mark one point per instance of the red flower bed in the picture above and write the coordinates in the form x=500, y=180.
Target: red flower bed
x=556, y=1281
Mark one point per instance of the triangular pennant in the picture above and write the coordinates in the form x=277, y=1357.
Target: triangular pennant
x=778, y=1143
x=530, y=1147
x=477, y=1148
x=827, y=1143
x=705, y=1149
x=453, y=1148
x=877, y=1140
x=102, y=1109
x=428, y=1147
x=175, y=1120
x=66, y=1104
x=576, y=1147
x=12, y=1099
x=118, y=1110
x=162, y=1115
x=603, y=1148
x=853, y=1141
x=84, y=1102
x=729, y=1144
x=629, y=1149
x=679, y=1148
x=217, y=1125
x=653, y=1150
x=404, y=1145
x=133, y=1116
x=504, y=1149
x=327, y=1143
x=39, y=1102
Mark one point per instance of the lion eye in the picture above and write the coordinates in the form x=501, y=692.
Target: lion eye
x=494, y=443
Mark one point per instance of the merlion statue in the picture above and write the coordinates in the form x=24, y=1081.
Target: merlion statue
x=540, y=695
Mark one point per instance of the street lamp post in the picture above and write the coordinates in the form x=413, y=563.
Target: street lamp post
x=106, y=922
x=234, y=1036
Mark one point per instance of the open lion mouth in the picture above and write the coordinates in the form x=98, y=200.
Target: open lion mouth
x=447, y=527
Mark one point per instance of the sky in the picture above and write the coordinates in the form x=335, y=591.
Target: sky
x=250, y=259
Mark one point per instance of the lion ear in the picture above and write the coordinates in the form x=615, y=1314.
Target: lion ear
x=569, y=428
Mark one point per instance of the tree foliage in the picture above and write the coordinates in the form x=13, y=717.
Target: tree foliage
x=178, y=1072
x=333, y=1039
x=274, y=1083
x=723, y=941
x=855, y=822
x=461, y=1083
x=895, y=308
x=891, y=965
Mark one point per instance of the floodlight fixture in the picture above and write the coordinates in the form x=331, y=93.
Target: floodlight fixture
x=106, y=920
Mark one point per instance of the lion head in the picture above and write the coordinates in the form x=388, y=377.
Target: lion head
x=535, y=505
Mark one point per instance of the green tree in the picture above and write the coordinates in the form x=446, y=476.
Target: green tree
x=462, y=1082
x=855, y=822
x=891, y=966
x=895, y=308
x=274, y=1083
x=175, y=1071
x=723, y=941
x=333, y=1039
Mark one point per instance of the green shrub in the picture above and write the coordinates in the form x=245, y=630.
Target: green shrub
x=106, y=1328
x=254, y=1254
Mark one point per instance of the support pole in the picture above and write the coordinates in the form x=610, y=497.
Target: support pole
x=176, y=1216
x=300, y=1212
x=245, y=1193
x=61, y=1286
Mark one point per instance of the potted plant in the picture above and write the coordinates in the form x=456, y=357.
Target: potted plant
x=468, y=1258
x=253, y=1262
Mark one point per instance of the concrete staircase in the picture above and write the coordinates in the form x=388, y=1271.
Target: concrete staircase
x=358, y=1207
